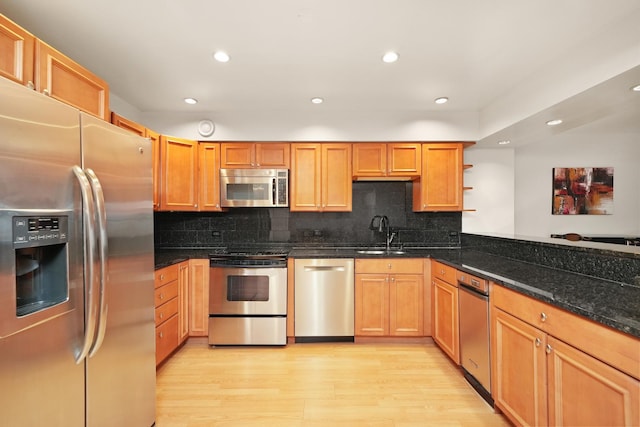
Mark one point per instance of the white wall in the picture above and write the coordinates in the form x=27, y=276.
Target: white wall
x=277, y=125
x=492, y=197
x=580, y=148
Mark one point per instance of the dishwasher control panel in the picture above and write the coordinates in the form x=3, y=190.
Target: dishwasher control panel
x=481, y=285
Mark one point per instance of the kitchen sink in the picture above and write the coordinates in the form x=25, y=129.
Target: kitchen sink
x=380, y=252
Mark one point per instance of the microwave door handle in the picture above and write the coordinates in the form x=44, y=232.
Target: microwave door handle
x=89, y=245
x=274, y=194
x=98, y=197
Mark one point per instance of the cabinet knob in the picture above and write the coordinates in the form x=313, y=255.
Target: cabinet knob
x=538, y=342
x=162, y=277
x=543, y=317
x=161, y=296
x=393, y=279
x=161, y=316
x=389, y=266
x=547, y=349
x=161, y=334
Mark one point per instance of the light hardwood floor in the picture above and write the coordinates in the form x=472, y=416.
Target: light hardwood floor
x=317, y=385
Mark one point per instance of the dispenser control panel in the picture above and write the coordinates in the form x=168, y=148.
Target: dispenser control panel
x=29, y=231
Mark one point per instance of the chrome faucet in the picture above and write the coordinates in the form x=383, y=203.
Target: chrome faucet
x=383, y=226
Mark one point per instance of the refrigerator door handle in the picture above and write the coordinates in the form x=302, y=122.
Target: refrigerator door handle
x=98, y=197
x=88, y=214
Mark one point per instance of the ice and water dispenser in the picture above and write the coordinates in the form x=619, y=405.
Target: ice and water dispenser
x=41, y=262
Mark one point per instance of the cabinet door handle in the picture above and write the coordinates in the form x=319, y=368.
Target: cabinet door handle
x=547, y=349
x=393, y=279
x=543, y=317
x=162, y=277
x=538, y=342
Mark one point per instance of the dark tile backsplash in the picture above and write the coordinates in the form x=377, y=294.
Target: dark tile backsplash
x=253, y=226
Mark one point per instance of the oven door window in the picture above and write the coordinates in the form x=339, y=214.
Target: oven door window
x=250, y=191
x=248, y=288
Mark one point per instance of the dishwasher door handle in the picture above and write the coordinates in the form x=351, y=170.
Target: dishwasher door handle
x=323, y=268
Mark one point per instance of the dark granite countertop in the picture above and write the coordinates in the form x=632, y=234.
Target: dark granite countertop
x=611, y=303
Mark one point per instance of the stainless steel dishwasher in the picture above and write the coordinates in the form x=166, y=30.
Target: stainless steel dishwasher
x=324, y=299
x=473, y=308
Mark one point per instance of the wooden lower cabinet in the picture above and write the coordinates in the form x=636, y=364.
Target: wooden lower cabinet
x=445, y=322
x=183, y=301
x=539, y=379
x=198, y=297
x=387, y=301
x=166, y=339
x=519, y=379
x=167, y=307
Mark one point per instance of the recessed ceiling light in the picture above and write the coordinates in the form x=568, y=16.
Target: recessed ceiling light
x=390, y=57
x=317, y=100
x=554, y=122
x=441, y=100
x=504, y=142
x=221, y=56
x=191, y=101
x=636, y=88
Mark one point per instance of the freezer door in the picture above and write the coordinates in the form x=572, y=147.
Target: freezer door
x=40, y=382
x=121, y=368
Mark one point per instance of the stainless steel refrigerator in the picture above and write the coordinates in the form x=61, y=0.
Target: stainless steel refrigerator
x=77, y=337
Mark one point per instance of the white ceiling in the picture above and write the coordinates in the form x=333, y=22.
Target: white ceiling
x=154, y=53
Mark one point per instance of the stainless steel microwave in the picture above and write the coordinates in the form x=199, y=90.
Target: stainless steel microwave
x=254, y=188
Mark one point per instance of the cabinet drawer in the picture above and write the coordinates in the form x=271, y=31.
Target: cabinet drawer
x=166, y=292
x=166, y=339
x=389, y=265
x=166, y=275
x=444, y=272
x=166, y=310
x=616, y=348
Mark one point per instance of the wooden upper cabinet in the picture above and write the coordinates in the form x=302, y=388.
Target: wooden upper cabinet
x=387, y=160
x=127, y=124
x=179, y=159
x=305, y=177
x=336, y=178
x=320, y=178
x=16, y=52
x=369, y=160
x=154, y=137
x=209, y=175
x=440, y=185
x=61, y=78
x=265, y=155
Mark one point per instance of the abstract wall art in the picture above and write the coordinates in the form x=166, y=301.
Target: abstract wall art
x=583, y=191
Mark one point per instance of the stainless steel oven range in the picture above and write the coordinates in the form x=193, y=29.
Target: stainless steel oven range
x=248, y=298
